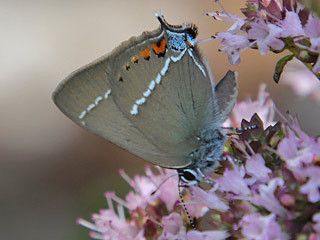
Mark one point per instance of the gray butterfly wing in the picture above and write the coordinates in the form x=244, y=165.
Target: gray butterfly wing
x=85, y=96
x=226, y=93
x=101, y=97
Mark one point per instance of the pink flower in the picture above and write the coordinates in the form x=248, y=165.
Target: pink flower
x=173, y=227
x=207, y=198
x=316, y=219
x=233, y=42
x=233, y=181
x=291, y=25
x=297, y=152
x=267, y=199
x=255, y=226
x=195, y=209
x=110, y=225
x=142, y=195
x=312, y=30
x=263, y=106
x=113, y=226
x=312, y=186
x=287, y=150
x=233, y=45
x=272, y=27
x=255, y=167
x=144, y=186
x=169, y=191
x=244, y=192
x=208, y=235
x=287, y=200
x=266, y=35
x=235, y=21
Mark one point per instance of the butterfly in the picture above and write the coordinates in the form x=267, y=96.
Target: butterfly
x=154, y=96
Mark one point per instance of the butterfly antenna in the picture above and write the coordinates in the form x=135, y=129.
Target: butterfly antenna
x=185, y=208
x=166, y=179
x=238, y=130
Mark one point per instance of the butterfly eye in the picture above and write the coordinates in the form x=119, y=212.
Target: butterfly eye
x=189, y=176
x=209, y=164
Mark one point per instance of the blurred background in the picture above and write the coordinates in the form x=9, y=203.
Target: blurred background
x=51, y=170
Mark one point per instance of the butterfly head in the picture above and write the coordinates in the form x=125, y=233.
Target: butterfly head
x=204, y=159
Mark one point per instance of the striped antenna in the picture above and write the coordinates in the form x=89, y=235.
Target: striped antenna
x=184, y=207
x=238, y=130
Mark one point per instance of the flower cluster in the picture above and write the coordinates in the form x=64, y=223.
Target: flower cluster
x=271, y=26
x=271, y=191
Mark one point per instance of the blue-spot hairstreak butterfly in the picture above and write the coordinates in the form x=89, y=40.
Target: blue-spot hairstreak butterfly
x=154, y=96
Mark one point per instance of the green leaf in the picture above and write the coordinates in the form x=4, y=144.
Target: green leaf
x=280, y=66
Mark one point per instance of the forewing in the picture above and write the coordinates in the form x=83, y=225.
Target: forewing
x=164, y=128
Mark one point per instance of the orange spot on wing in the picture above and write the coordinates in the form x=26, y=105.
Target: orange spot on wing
x=159, y=48
x=135, y=59
x=127, y=66
x=145, y=53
